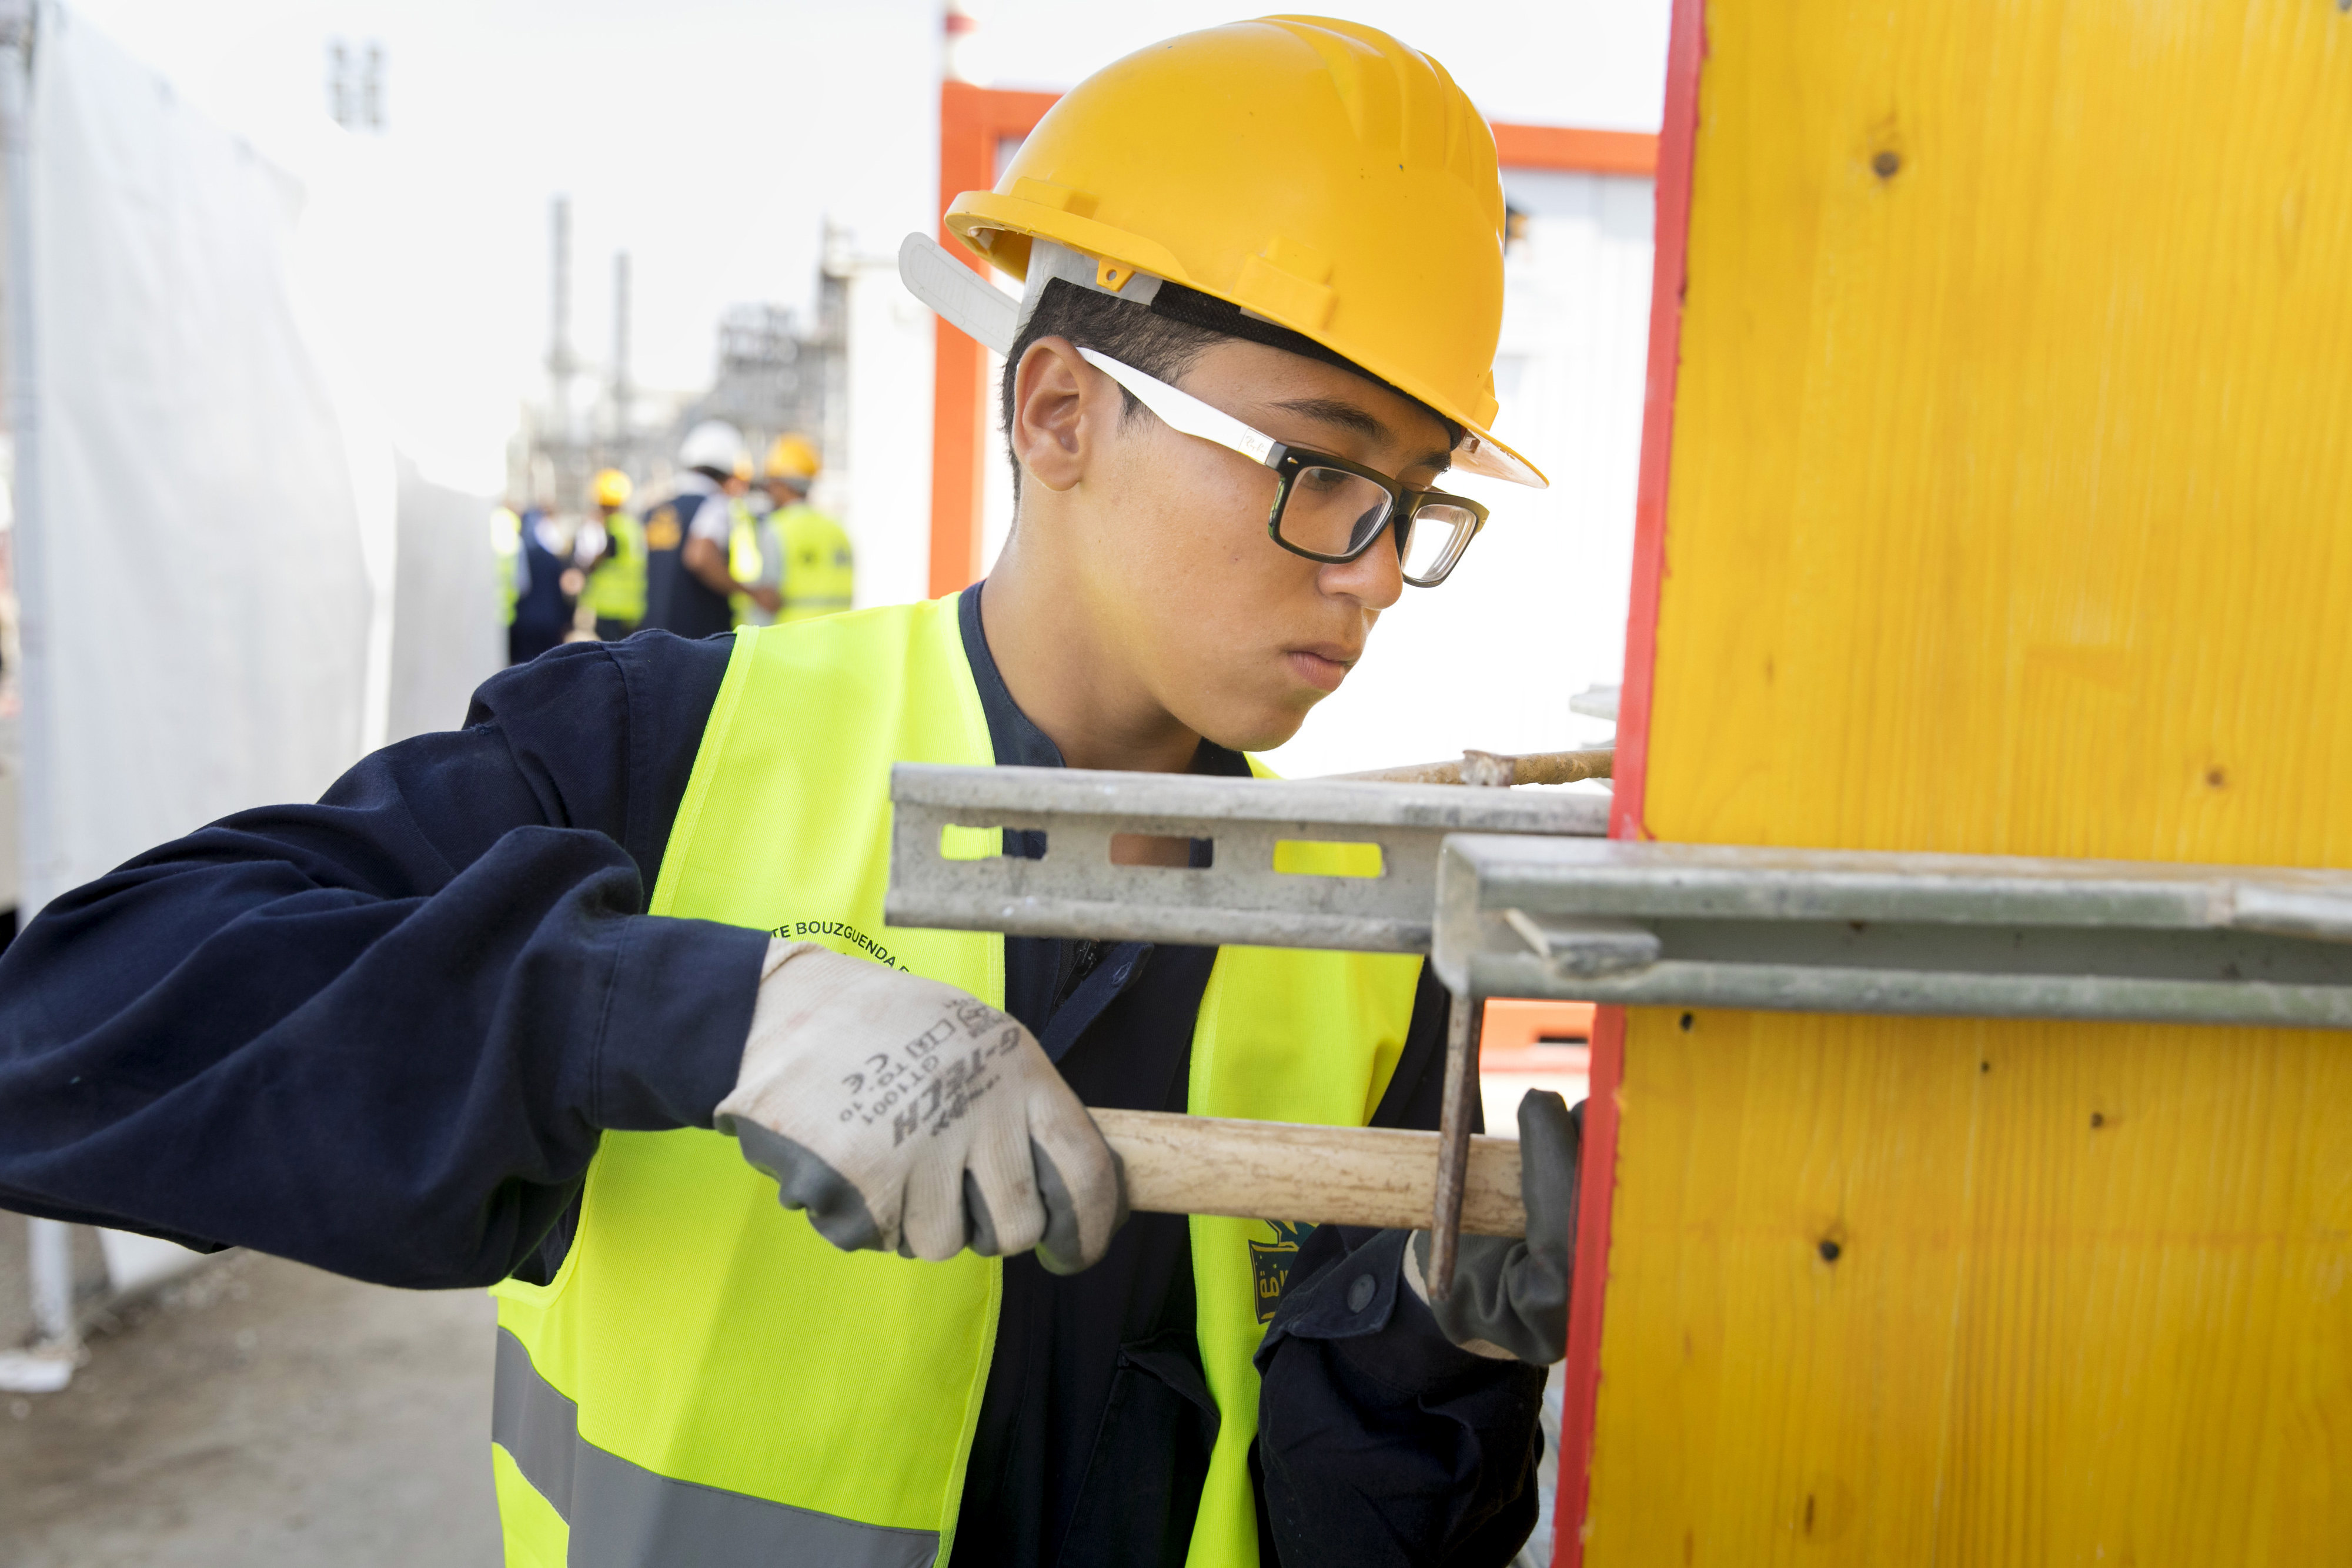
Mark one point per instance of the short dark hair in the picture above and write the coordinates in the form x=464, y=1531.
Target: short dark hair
x=1163, y=340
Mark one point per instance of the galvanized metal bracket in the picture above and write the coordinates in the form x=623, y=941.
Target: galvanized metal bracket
x=1530, y=901
x=1856, y=931
x=1259, y=887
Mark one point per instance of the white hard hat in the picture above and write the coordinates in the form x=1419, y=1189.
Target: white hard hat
x=716, y=445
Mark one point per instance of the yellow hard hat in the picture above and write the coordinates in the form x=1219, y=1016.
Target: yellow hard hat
x=791, y=457
x=1317, y=173
x=611, y=487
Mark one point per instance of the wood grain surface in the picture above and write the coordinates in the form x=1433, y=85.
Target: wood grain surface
x=2011, y=512
x=1381, y=1177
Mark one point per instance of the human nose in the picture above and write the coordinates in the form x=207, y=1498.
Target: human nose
x=1374, y=579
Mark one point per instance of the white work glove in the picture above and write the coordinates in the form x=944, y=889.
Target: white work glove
x=906, y=1115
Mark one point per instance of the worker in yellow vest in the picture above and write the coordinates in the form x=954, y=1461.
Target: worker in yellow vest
x=755, y=559
x=506, y=550
x=820, y=576
x=616, y=590
x=806, y=1249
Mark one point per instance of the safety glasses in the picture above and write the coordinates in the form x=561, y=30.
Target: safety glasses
x=1324, y=508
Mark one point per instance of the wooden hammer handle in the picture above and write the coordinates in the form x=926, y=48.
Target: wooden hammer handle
x=1378, y=1177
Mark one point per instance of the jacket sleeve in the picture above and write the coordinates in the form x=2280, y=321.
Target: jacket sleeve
x=1379, y=1441
x=381, y=1034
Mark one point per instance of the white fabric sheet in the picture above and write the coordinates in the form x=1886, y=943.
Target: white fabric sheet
x=199, y=628
x=446, y=638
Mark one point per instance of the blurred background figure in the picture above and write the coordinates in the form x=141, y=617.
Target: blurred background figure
x=755, y=558
x=688, y=584
x=542, y=605
x=819, y=575
x=506, y=552
x=611, y=548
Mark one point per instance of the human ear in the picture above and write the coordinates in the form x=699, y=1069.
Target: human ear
x=1051, y=391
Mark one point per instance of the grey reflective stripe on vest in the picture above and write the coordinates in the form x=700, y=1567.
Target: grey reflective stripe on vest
x=624, y=1516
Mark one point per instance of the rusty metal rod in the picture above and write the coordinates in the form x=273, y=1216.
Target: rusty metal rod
x=1492, y=769
x=1454, y=1140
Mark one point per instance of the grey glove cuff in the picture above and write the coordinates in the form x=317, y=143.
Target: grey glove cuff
x=1510, y=1296
x=1504, y=1305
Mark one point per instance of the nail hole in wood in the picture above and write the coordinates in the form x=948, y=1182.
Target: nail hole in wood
x=2097, y=1121
x=1885, y=164
x=1689, y=1019
x=1831, y=1250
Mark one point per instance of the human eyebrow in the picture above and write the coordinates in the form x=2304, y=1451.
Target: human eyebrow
x=1347, y=416
x=1333, y=411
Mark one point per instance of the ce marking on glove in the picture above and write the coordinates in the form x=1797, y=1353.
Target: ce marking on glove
x=920, y=1086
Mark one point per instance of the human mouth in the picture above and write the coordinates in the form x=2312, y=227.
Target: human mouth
x=1323, y=666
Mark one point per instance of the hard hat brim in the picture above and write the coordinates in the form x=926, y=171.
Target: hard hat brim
x=998, y=229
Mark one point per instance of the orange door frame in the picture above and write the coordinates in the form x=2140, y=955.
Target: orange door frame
x=973, y=122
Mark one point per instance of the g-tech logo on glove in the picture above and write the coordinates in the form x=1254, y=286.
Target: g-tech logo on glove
x=921, y=1083
x=937, y=1090
x=906, y=1115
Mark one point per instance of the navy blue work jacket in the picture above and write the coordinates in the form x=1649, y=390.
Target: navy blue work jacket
x=381, y=1034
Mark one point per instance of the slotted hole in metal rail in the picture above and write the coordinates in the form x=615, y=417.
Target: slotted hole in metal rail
x=1152, y=851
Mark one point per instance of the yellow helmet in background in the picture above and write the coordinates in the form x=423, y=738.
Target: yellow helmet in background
x=611, y=489
x=791, y=457
x=1314, y=173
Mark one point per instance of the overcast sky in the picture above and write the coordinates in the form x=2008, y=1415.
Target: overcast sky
x=709, y=138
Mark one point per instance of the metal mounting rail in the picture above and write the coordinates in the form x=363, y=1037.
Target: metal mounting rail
x=1530, y=901
x=1858, y=932
x=1240, y=896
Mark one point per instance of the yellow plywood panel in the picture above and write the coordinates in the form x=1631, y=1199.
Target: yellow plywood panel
x=2011, y=512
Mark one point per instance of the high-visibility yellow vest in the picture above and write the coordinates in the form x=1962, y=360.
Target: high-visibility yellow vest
x=754, y=558
x=506, y=544
x=617, y=584
x=706, y=1380
x=820, y=574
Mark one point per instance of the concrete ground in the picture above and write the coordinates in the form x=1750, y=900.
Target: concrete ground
x=257, y=1414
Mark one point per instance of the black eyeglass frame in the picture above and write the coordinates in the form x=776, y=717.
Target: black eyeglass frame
x=1405, y=502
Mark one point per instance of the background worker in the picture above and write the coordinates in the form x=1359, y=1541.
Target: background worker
x=819, y=576
x=543, y=606
x=755, y=558
x=506, y=559
x=614, y=558
x=435, y=1030
x=688, y=585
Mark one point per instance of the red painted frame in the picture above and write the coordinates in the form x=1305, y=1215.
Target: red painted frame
x=972, y=122
x=1677, y=143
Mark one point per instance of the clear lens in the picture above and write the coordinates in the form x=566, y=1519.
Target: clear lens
x=1332, y=512
x=1439, y=532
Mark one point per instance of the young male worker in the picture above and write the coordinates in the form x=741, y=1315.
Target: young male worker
x=506, y=1005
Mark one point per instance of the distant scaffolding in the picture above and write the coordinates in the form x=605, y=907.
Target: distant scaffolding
x=771, y=377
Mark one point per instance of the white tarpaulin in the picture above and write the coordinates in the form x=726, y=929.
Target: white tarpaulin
x=196, y=606
x=446, y=639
